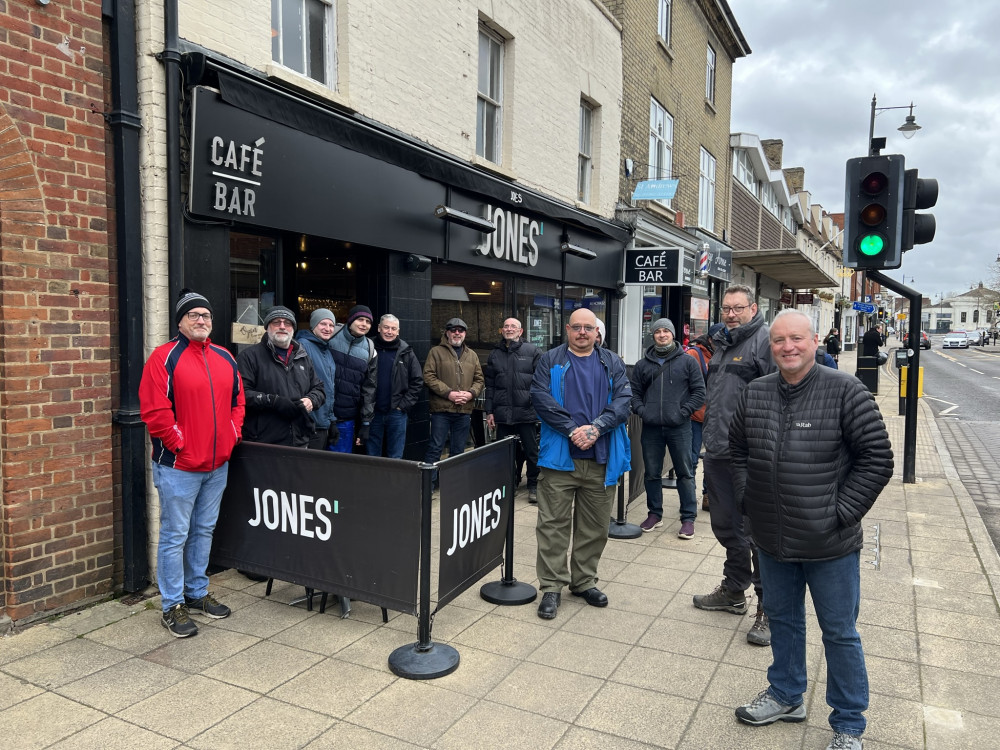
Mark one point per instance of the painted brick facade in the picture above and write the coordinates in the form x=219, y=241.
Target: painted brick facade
x=56, y=507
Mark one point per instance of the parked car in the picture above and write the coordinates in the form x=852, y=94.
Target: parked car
x=955, y=340
x=925, y=340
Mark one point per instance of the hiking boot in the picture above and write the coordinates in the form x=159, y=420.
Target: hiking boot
x=844, y=741
x=532, y=495
x=760, y=632
x=765, y=709
x=178, y=622
x=686, y=531
x=209, y=606
x=722, y=600
x=651, y=522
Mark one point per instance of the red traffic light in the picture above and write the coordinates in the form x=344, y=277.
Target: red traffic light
x=874, y=183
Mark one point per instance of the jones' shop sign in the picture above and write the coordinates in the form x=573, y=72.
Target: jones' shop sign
x=317, y=519
x=653, y=265
x=514, y=239
x=477, y=493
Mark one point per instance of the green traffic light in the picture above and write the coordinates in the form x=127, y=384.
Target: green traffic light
x=871, y=244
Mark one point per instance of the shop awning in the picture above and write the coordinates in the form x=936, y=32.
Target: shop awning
x=787, y=265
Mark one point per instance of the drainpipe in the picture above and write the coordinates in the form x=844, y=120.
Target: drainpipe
x=170, y=57
x=125, y=125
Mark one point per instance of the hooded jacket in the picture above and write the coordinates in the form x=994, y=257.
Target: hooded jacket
x=266, y=377
x=445, y=372
x=701, y=351
x=667, y=395
x=191, y=399
x=357, y=373
x=809, y=461
x=509, y=370
x=322, y=360
x=741, y=355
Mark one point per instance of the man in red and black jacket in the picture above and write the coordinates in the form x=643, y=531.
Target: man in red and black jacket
x=191, y=399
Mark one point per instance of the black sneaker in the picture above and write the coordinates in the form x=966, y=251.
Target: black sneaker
x=722, y=599
x=209, y=606
x=178, y=622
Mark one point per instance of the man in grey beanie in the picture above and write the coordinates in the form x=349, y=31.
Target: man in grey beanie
x=316, y=341
x=667, y=388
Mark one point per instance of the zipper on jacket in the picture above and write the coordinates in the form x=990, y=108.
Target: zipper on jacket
x=211, y=393
x=786, y=415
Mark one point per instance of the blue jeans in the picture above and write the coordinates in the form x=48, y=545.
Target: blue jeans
x=835, y=587
x=345, y=441
x=189, y=508
x=655, y=440
x=450, y=428
x=696, y=430
x=391, y=426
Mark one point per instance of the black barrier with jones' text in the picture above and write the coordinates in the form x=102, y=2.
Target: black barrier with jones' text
x=335, y=522
x=476, y=496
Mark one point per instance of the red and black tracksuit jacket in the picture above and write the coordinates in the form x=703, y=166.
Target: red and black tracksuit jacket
x=191, y=399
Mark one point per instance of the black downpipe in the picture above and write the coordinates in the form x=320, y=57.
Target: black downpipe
x=171, y=59
x=125, y=125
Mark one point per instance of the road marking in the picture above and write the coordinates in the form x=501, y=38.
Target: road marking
x=951, y=406
x=978, y=372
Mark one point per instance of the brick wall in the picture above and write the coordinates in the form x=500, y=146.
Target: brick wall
x=56, y=508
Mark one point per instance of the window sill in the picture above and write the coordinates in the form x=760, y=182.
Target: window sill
x=658, y=209
x=306, y=84
x=491, y=166
x=664, y=48
x=710, y=106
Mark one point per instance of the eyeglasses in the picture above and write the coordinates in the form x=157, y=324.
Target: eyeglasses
x=194, y=316
x=282, y=323
x=738, y=309
x=456, y=330
x=577, y=328
x=511, y=328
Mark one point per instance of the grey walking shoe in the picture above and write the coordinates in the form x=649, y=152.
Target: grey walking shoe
x=178, y=622
x=844, y=741
x=765, y=709
x=722, y=599
x=209, y=606
x=760, y=632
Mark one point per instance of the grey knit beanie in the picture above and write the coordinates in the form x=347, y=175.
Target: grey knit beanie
x=320, y=315
x=663, y=323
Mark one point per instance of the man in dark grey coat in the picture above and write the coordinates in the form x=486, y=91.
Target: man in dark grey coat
x=810, y=456
x=508, y=372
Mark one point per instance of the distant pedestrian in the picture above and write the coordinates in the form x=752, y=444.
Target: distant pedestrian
x=872, y=341
x=702, y=349
x=832, y=344
x=810, y=456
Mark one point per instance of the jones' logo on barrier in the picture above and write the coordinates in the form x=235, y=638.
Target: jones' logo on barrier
x=475, y=520
x=302, y=515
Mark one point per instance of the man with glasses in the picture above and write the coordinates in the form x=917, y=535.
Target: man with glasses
x=581, y=394
x=281, y=384
x=742, y=354
x=191, y=399
x=509, y=370
x=454, y=377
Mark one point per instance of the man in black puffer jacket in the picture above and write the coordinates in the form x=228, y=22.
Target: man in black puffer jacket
x=667, y=388
x=810, y=456
x=508, y=373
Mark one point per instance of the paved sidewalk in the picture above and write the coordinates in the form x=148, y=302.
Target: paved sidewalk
x=650, y=671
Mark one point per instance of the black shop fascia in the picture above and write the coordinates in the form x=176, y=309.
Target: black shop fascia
x=265, y=159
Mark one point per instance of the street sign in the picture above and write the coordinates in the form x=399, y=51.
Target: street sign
x=654, y=265
x=865, y=307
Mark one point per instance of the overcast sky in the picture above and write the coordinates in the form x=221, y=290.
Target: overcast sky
x=809, y=82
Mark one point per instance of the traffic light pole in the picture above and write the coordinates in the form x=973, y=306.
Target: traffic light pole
x=913, y=379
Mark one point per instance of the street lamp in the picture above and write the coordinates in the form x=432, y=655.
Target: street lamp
x=908, y=128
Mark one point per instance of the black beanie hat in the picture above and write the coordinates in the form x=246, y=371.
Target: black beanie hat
x=359, y=311
x=187, y=301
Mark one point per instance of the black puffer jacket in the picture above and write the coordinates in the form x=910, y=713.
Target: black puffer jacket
x=266, y=380
x=809, y=461
x=667, y=395
x=509, y=371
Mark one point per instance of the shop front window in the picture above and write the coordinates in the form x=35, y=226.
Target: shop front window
x=253, y=281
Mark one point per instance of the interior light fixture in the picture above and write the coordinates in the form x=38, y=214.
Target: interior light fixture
x=466, y=220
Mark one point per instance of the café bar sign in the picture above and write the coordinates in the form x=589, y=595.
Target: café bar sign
x=660, y=266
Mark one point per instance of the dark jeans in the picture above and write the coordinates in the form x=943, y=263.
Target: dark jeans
x=450, y=428
x=527, y=449
x=731, y=528
x=835, y=588
x=655, y=440
x=696, y=430
x=392, y=427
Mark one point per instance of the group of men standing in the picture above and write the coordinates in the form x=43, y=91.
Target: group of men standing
x=795, y=456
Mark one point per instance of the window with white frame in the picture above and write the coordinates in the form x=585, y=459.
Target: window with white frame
x=585, y=164
x=489, y=102
x=663, y=24
x=788, y=220
x=768, y=198
x=706, y=192
x=710, y=75
x=661, y=143
x=743, y=170
x=302, y=38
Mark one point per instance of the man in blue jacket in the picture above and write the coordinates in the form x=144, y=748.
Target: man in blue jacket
x=581, y=394
x=316, y=341
x=667, y=388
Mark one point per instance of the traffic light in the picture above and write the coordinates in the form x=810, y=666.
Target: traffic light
x=873, y=212
x=918, y=194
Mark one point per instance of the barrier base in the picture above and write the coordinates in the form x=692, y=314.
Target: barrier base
x=508, y=593
x=623, y=530
x=436, y=661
